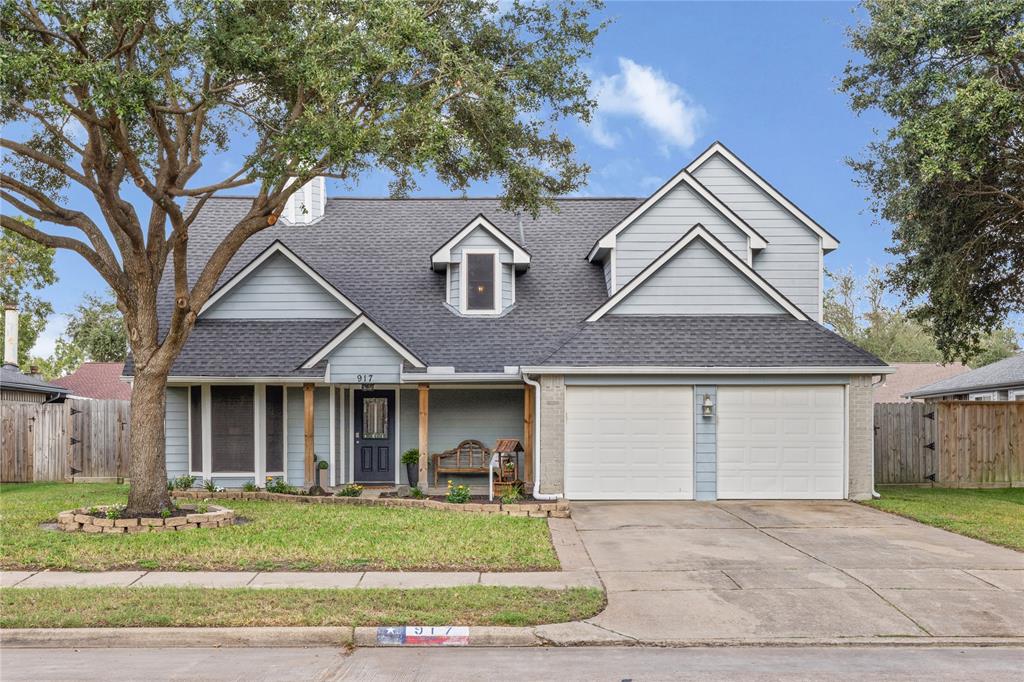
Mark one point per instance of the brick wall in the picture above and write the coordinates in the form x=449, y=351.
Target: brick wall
x=552, y=434
x=861, y=437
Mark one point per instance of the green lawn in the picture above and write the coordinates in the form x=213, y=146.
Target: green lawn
x=278, y=536
x=994, y=515
x=198, y=607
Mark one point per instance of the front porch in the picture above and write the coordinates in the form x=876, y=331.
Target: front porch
x=238, y=433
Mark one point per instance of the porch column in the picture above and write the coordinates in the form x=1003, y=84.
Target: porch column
x=528, y=420
x=424, y=444
x=307, y=391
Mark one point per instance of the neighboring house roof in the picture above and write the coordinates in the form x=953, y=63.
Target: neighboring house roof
x=375, y=253
x=99, y=380
x=13, y=379
x=913, y=375
x=1008, y=373
x=707, y=342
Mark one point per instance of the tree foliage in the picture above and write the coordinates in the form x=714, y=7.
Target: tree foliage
x=857, y=311
x=949, y=174
x=25, y=266
x=129, y=98
x=94, y=333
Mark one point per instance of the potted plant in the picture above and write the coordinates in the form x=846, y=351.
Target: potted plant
x=323, y=474
x=411, y=460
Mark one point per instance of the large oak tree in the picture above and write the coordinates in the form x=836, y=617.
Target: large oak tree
x=128, y=98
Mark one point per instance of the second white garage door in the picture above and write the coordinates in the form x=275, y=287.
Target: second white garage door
x=780, y=442
x=629, y=442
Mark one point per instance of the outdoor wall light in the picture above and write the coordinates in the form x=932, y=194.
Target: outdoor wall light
x=709, y=407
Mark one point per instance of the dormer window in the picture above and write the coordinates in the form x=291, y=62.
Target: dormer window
x=481, y=282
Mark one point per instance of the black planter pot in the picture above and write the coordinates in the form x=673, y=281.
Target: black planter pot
x=413, y=473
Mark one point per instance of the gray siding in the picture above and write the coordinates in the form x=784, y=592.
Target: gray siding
x=482, y=239
x=277, y=289
x=232, y=481
x=663, y=224
x=607, y=267
x=791, y=260
x=705, y=445
x=364, y=353
x=176, y=431
x=697, y=281
x=459, y=414
x=296, y=447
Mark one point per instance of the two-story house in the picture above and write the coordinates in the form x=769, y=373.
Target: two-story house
x=667, y=347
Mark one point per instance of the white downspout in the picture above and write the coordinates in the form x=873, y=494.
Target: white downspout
x=874, y=493
x=537, y=494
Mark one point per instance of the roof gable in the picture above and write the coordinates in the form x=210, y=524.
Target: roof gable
x=683, y=177
x=742, y=270
x=277, y=284
x=443, y=255
x=356, y=327
x=828, y=242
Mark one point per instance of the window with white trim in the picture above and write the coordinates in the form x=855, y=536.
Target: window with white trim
x=481, y=282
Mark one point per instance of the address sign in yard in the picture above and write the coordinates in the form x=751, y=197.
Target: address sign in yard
x=421, y=635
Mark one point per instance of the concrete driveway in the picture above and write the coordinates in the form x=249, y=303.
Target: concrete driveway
x=760, y=570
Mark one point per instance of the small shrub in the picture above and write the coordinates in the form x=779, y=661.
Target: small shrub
x=350, y=490
x=203, y=507
x=210, y=486
x=165, y=513
x=323, y=464
x=184, y=482
x=411, y=456
x=170, y=484
x=277, y=485
x=512, y=494
x=114, y=511
x=457, y=494
x=416, y=493
x=250, y=487
x=94, y=511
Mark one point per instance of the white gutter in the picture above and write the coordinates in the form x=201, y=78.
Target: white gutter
x=537, y=495
x=635, y=369
x=874, y=493
x=456, y=377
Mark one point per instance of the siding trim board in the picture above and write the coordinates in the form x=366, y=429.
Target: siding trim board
x=828, y=241
x=607, y=241
x=277, y=248
x=698, y=231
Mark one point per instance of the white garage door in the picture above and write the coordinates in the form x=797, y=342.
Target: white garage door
x=629, y=442
x=780, y=442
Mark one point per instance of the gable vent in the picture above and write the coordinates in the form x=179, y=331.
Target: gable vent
x=307, y=205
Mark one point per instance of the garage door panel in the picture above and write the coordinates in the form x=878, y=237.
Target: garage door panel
x=629, y=442
x=779, y=442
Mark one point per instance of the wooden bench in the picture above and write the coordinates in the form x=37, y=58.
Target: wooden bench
x=468, y=457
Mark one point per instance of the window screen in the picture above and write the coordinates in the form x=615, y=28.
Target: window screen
x=195, y=406
x=480, y=281
x=275, y=429
x=231, y=427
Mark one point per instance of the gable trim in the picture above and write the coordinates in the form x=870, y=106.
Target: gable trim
x=443, y=254
x=754, y=238
x=828, y=241
x=357, y=324
x=275, y=248
x=698, y=231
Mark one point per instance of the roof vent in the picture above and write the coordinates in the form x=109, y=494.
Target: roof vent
x=307, y=205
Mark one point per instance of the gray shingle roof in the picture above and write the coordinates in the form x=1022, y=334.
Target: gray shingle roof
x=377, y=253
x=708, y=341
x=12, y=378
x=1003, y=374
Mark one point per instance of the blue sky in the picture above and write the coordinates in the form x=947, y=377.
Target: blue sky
x=671, y=78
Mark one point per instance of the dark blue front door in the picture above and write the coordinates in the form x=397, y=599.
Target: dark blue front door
x=374, y=424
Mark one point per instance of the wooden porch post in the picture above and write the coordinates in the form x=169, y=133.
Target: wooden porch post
x=528, y=433
x=424, y=444
x=307, y=392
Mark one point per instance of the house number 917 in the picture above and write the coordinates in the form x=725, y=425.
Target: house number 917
x=364, y=378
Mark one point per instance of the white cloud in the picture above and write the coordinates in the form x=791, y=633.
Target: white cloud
x=640, y=91
x=46, y=342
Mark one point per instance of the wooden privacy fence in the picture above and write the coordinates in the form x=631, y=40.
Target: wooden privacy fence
x=955, y=443
x=45, y=442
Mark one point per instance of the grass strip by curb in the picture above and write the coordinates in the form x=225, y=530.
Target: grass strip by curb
x=82, y=607
x=994, y=515
x=278, y=536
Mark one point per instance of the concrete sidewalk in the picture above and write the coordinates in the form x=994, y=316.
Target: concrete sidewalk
x=555, y=580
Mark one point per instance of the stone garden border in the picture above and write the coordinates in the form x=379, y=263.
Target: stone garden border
x=80, y=520
x=559, y=509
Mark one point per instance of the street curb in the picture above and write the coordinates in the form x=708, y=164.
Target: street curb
x=483, y=636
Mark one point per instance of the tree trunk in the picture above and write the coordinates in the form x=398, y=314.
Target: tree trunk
x=148, y=468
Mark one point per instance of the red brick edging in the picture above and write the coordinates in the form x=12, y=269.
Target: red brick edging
x=558, y=509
